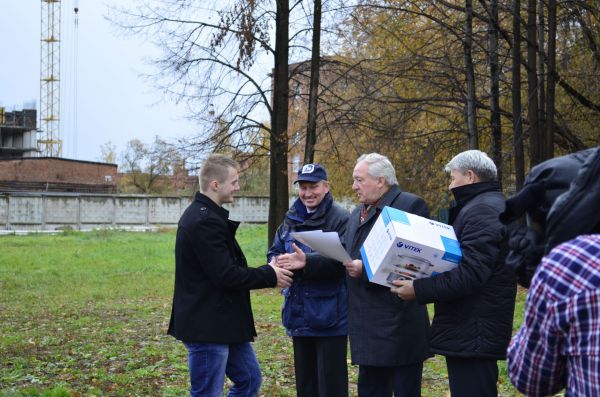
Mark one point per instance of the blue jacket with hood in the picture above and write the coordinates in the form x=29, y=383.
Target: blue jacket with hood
x=316, y=304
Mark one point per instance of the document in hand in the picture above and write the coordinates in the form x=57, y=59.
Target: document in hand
x=327, y=244
x=404, y=246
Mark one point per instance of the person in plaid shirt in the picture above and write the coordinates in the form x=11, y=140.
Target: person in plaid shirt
x=558, y=345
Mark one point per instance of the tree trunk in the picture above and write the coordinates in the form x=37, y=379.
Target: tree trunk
x=470, y=77
x=495, y=88
x=516, y=98
x=278, y=186
x=311, y=129
x=532, y=93
x=541, y=72
x=549, y=136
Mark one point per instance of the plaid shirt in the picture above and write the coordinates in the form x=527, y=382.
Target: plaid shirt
x=558, y=345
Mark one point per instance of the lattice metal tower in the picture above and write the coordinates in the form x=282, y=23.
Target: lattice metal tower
x=50, y=144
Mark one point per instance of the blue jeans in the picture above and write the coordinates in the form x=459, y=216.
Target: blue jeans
x=210, y=362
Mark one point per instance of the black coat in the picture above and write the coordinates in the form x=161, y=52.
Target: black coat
x=474, y=303
x=384, y=330
x=211, y=302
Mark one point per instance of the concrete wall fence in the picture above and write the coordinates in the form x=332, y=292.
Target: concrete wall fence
x=20, y=211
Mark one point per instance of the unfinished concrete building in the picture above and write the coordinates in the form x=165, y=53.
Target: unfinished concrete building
x=23, y=169
x=18, y=133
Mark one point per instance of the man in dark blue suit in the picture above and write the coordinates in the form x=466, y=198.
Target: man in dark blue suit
x=388, y=336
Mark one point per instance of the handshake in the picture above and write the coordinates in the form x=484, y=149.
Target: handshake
x=285, y=264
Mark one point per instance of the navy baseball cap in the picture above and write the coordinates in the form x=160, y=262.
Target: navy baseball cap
x=312, y=173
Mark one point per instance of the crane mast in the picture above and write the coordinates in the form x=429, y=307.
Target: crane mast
x=50, y=143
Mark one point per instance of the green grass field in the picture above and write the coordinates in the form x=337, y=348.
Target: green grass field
x=85, y=314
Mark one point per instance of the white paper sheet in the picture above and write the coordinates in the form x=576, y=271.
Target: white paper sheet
x=327, y=244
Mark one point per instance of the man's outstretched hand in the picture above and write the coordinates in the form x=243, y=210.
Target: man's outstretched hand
x=294, y=261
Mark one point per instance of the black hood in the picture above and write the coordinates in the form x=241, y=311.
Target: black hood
x=562, y=195
x=543, y=185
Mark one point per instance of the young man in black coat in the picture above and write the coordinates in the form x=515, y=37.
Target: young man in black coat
x=211, y=311
x=388, y=336
x=474, y=303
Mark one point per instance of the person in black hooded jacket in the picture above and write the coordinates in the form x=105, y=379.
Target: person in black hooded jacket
x=543, y=186
x=474, y=303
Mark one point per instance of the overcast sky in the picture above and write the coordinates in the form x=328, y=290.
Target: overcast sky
x=114, y=103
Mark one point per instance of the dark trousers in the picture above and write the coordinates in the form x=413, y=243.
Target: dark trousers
x=321, y=366
x=403, y=381
x=472, y=377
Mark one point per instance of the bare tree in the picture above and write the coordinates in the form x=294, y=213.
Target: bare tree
x=311, y=127
x=541, y=76
x=278, y=202
x=517, y=112
x=108, y=152
x=471, y=100
x=213, y=58
x=494, y=77
x=535, y=155
x=145, y=165
x=551, y=81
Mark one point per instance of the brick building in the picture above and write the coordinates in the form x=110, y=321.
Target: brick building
x=57, y=175
x=22, y=170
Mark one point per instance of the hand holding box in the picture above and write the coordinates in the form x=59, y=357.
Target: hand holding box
x=404, y=246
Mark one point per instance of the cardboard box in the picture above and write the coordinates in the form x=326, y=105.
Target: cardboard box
x=404, y=246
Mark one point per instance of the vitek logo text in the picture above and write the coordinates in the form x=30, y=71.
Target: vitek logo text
x=441, y=225
x=409, y=247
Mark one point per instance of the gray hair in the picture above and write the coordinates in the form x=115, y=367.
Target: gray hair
x=475, y=160
x=379, y=165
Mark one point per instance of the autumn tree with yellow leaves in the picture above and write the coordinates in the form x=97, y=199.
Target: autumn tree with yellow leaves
x=400, y=86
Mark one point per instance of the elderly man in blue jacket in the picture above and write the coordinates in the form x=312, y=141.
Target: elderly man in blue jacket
x=315, y=308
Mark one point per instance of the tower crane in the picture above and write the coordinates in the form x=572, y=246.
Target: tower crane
x=50, y=144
